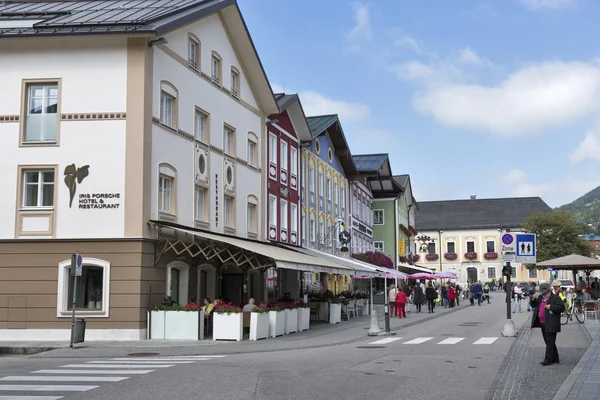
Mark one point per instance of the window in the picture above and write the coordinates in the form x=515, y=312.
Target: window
x=313, y=229
x=251, y=218
x=330, y=155
x=228, y=141
x=303, y=226
x=235, y=82
x=272, y=149
x=165, y=184
x=38, y=189
x=194, y=53
x=321, y=184
x=513, y=272
x=491, y=272
x=200, y=204
x=533, y=273
x=93, y=289
x=329, y=189
x=431, y=248
x=336, y=193
x=311, y=179
x=321, y=230
x=166, y=109
x=284, y=155
x=272, y=210
x=199, y=125
x=294, y=217
x=378, y=246
x=284, y=214
x=343, y=190
x=451, y=247
x=378, y=217
x=293, y=161
x=229, y=212
x=215, y=68
x=491, y=246
x=470, y=247
x=318, y=146
x=41, y=121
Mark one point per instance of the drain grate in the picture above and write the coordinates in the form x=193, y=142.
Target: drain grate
x=142, y=354
x=478, y=358
x=370, y=347
x=378, y=362
x=472, y=367
x=469, y=323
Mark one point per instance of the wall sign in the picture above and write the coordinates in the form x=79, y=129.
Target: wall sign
x=216, y=199
x=88, y=201
x=73, y=176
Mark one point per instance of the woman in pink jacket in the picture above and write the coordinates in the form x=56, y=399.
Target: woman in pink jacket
x=401, y=303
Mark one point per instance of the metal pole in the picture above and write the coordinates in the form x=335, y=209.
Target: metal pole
x=508, y=292
x=386, y=305
x=371, y=293
x=74, y=290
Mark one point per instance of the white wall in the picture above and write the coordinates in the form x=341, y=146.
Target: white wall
x=94, y=76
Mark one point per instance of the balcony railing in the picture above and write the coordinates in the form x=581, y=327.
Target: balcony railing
x=40, y=128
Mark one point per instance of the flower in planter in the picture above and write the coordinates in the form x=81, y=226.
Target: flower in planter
x=450, y=256
x=227, y=308
x=261, y=309
x=375, y=258
x=290, y=305
x=416, y=257
x=432, y=257
x=276, y=307
x=470, y=255
x=302, y=304
x=490, y=256
x=174, y=307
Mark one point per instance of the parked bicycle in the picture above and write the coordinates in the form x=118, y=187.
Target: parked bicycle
x=575, y=309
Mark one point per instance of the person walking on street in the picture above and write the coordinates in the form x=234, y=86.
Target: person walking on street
x=451, y=296
x=392, y=299
x=547, y=308
x=445, y=301
x=430, y=295
x=401, y=304
x=486, y=293
x=530, y=292
x=518, y=296
x=478, y=290
x=418, y=297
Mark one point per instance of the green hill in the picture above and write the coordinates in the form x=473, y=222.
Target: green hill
x=586, y=210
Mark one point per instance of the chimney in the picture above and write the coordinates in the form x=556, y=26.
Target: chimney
x=473, y=196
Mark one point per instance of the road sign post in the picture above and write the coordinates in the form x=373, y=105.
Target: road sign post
x=76, y=271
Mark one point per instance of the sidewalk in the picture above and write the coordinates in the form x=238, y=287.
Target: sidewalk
x=320, y=335
x=584, y=381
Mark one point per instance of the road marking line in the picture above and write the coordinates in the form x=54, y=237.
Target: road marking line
x=486, y=340
x=199, y=356
x=452, y=340
x=43, y=378
x=46, y=388
x=418, y=340
x=31, y=397
x=145, y=362
x=386, y=340
x=94, y=371
x=171, y=360
x=117, y=366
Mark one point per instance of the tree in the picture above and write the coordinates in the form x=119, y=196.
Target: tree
x=557, y=235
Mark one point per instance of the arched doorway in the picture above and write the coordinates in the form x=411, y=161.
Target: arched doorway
x=472, y=275
x=206, y=282
x=178, y=278
x=232, y=281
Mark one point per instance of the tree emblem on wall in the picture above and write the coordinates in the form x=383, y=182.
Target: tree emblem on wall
x=73, y=176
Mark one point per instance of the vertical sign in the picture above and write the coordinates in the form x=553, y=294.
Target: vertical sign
x=216, y=199
x=401, y=248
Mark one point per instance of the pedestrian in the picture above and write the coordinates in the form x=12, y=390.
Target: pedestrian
x=486, y=293
x=518, y=296
x=418, y=297
x=478, y=290
x=451, y=295
x=430, y=295
x=458, y=294
x=445, y=301
x=401, y=304
x=529, y=293
x=392, y=299
x=547, y=309
x=500, y=284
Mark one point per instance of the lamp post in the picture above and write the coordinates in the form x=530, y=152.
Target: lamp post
x=440, y=249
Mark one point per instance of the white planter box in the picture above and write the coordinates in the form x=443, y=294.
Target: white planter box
x=291, y=321
x=335, y=313
x=228, y=327
x=175, y=325
x=276, y=323
x=259, y=326
x=303, y=319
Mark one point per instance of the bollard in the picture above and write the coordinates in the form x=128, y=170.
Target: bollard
x=374, y=330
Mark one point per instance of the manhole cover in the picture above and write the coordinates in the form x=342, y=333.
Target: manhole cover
x=449, y=361
x=472, y=367
x=142, y=354
x=370, y=347
x=389, y=370
x=369, y=373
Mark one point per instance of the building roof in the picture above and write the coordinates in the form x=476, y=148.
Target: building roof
x=331, y=123
x=292, y=104
x=372, y=163
x=477, y=213
x=404, y=181
x=285, y=100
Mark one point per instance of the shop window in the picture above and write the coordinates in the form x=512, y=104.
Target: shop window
x=92, y=291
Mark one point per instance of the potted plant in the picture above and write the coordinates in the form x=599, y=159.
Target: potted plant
x=470, y=255
x=450, y=256
x=174, y=322
x=432, y=257
x=228, y=322
x=416, y=257
x=276, y=320
x=490, y=255
x=259, y=323
x=303, y=316
x=335, y=310
x=291, y=317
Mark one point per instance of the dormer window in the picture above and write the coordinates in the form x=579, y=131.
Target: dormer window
x=193, y=52
x=215, y=68
x=235, y=82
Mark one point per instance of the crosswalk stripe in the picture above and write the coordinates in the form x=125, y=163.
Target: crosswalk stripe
x=117, y=366
x=486, y=340
x=31, y=397
x=171, y=360
x=418, y=340
x=452, y=340
x=145, y=362
x=46, y=388
x=43, y=378
x=386, y=340
x=94, y=371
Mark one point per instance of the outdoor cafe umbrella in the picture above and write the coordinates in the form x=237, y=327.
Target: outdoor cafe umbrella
x=574, y=262
x=444, y=275
x=422, y=275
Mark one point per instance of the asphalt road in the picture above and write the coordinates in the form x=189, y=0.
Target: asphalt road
x=458, y=355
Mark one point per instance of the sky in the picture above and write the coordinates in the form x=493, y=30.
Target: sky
x=496, y=98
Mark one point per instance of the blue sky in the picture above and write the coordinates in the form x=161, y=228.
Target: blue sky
x=496, y=98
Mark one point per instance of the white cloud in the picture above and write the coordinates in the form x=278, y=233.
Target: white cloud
x=553, y=4
x=408, y=42
x=414, y=70
x=362, y=32
x=277, y=88
x=534, y=98
x=514, y=177
x=470, y=57
x=588, y=149
x=317, y=104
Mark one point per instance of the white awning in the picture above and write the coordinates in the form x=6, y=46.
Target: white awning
x=283, y=258
x=411, y=269
x=353, y=263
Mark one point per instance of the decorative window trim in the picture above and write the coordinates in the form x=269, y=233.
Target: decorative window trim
x=167, y=170
x=25, y=84
x=169, y=89
x=233, y=152
x=488, y=272
x=451, y=242
x=235, y=92
x=62, y=302
x=382, y=217
x=195, y=62
x=486, y=246
x=330, y=155
x=37, y=212
x=252, y=200
x=317, y=146
x=474, y=246
x=218, y=78
x=253, y=138
x=184, y=277
x=206, y=114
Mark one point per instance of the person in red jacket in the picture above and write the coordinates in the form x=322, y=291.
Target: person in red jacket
x=452, y=296
x=401, y=304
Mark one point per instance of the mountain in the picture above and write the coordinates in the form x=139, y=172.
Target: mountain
x=586, y=209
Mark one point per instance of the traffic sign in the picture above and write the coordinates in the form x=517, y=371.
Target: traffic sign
x=526, y=248
x=549, y=269
x=508, y=248
x=78, y=265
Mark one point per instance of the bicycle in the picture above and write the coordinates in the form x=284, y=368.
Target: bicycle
x=577, y=309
